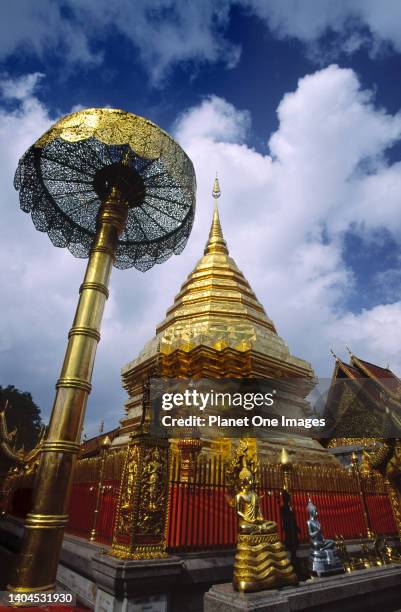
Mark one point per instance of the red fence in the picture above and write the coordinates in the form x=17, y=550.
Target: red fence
x=107, y=511
x=96, y=478
x=201, y=515
x=201, y=518
x=380, y=513
x=81, y=508
x=339, y=514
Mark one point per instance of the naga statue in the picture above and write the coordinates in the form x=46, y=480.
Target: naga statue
x=385, y=456
x=261, y=560
x=324, y=558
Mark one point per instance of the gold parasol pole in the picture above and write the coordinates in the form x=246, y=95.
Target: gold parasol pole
x=44, y=526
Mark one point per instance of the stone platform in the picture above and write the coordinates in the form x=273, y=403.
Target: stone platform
x=107, y=584
x=179, y=583
x=369, y=590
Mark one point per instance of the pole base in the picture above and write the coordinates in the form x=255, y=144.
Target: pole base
x=16, y=589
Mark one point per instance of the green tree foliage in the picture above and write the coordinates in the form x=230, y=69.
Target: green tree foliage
x=22, y=413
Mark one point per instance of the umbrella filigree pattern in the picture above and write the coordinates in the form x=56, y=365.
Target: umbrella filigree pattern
x=64, y=176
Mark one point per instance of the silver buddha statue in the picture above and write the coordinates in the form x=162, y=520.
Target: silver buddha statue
x=324, y=559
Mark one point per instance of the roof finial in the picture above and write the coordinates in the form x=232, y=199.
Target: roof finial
x=349, y=350
x=333, y=353
x=216, y=188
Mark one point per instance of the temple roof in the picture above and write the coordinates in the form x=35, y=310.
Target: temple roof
x=384, y=376
x=216, y=307
x=380, y=396
x=347, y=370
x=93, y=446
x=359, y=368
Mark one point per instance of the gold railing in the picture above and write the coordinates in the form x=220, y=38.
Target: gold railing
x=114, y=463
x=86, y=470
x=320, y=478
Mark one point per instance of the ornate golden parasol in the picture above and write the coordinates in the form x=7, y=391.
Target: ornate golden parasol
x=113, y=187
x=64, y=177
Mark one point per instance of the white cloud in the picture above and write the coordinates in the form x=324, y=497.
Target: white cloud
x=297, y=203
x=20, y=89
x=214, y=119
x=356, y=23
x=284, y=215
x=375, y=332
x=32, y=274
x=164, y=33
x=39, y=28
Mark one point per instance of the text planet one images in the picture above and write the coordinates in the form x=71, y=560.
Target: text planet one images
x=246, y=421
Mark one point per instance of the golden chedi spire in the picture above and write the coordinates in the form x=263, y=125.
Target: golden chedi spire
x=216, y=242
x=217, y=308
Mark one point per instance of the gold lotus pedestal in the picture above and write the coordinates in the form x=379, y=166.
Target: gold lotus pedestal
x=261, y=562
x=113, y=187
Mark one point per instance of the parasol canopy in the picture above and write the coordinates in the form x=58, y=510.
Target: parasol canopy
x=63, y=178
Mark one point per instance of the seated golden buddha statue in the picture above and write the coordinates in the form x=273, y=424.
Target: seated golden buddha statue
x=247, y=503
x=261, y=560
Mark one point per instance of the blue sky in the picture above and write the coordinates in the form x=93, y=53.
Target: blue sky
x=295, y=103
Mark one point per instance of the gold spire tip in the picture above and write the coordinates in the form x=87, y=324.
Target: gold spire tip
x=106, y=442
x=285, y=458
x=216, y=242
x=216, y=188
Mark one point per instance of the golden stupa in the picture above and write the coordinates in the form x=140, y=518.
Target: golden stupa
x=217, y=328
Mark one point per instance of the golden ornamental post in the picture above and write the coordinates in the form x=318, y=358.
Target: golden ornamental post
x=355, y=469
x=105, y=446
x=286, y=465
x=141, y=519
x=112, y=186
